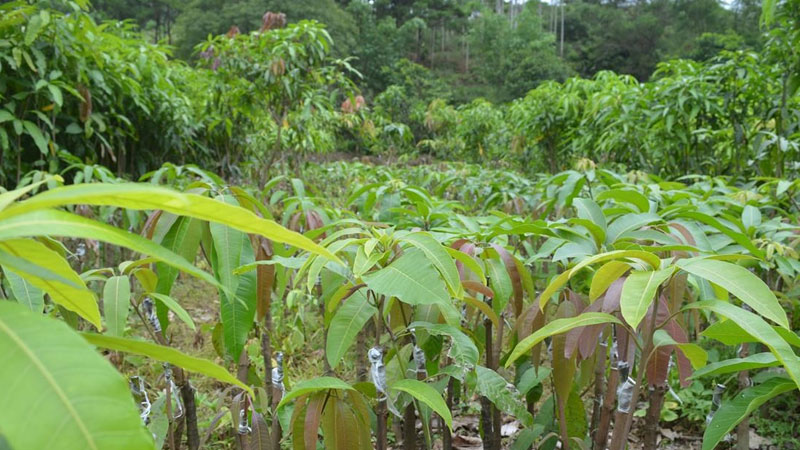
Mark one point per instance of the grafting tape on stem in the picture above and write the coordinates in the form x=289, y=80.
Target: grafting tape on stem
x=174, y=389
x=625, y=395
x=377, y=371
x=277, y=374
x=244, y=427
x=716, y=399
x=140, y=394
x=419, y=359
x=150, y=313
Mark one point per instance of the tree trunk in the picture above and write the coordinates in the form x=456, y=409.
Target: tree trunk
x=653, y=417
x=743, y=429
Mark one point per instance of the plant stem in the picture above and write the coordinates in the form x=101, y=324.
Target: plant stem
x=622, y=420
x=381, y=412
x=599, y=374
x=447, y=438
x=743, y=429
x=490, y=438
x=653, y=416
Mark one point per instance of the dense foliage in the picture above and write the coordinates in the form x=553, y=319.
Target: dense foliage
x=605, y=256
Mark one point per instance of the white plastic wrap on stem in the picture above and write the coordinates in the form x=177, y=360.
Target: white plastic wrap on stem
x=419, y=359
x=377, y=371
x=150, y=313
x=716, y=399
x=277, y=374
x=625, y=395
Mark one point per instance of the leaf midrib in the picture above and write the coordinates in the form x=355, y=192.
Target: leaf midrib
x=50, y=381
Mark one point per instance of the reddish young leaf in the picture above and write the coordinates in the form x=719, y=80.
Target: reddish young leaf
x=313, y=418
x=265, y=276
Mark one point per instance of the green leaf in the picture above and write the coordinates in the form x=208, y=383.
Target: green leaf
x=141, y=196
x=693, y=352
x=626, y=196
x=175, y=307
x=35, y=133
x=427, y=395
x=61, y=223
x=577, y=425
x=166, y=354
x=731, y=412
x=33, y=29
x=232, y=249
x=411, y=278
x=650, y=258
x=438, y=256
x=751, y=217
x=348, y=320
x=6, y=198
x=183, y=238
x=5, y=116
x=556, y=327
x=759, y=329
x=739, y=238
x=462, y=351
x=52, y=380
x=627, y=223
x=469, y=262
x=605, y=276
x=25, y=293
x=494, y=387
x=729, y=333
x=757, y=361
x=55, y=92
x=116, y=303
x=500, y=283
x=638, y=292
x=589, y=210
x=740, y=282
x=315, y=385
x=75, y=296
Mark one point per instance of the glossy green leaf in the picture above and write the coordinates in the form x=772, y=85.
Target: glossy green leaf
x=438, y=256
x=605, y=276
x=729, y=333
x=427, y=395
x=232, y=249
x=638, y=293
x=589, y=210
x=64, y=224
x=731, y=412
x=116, y=304
x=626, y=196
x=141, y=196
x=315, y=385
x=500, y=392
x=411, y=278
x=759, y=329
x=171, y=304
x=739, y=238
x=347, y=322
x=53, y=380
x=757, y=361
x=75, y=296
x=24, y=292
x=166, y=354
x=740, y=282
